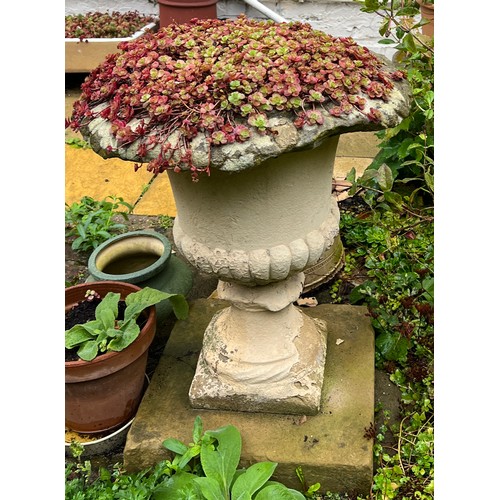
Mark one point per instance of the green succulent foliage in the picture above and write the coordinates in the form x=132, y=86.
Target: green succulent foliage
x=107, y=333
x=77, y=143
x=92, y=222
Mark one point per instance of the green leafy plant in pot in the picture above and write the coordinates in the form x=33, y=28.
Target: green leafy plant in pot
x=104, y=384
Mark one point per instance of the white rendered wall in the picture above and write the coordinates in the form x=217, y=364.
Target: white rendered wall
x=83, y=6
x=335, y=17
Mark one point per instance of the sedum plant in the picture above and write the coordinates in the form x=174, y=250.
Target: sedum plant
x=225, y=79
x=105, y=24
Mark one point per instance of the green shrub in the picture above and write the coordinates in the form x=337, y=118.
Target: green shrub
x=92, y=222
x=403, y=170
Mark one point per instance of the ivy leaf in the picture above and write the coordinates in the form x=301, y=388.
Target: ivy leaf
x=392, y=346
x=356, y=294
x=394, y=199
x=385, y=178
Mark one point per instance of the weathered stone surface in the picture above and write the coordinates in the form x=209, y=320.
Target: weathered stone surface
x=261, y=361
x=330, y=446
x=284, y=137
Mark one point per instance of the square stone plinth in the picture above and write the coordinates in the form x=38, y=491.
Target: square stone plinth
x=331, y=447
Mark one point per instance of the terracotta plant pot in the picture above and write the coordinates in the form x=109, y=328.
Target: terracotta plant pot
x=427, y=12
x=103, y=394
x=182, y=11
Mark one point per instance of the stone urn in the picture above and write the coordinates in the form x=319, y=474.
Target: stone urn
x=256, y=213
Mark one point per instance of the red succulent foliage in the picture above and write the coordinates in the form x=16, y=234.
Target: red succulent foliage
x=225, y=79
x=105, y=24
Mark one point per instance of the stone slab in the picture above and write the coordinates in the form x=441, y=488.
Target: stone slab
x=330, y=447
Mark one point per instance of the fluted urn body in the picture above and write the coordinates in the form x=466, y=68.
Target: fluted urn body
x=257, y=230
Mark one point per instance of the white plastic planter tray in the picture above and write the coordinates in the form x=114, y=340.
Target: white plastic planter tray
x=103, y=445
x=84, y=56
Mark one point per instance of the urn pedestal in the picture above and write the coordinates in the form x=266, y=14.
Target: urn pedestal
x=257, y=229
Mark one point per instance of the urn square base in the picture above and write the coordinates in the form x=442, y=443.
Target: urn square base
x=330, y=447
x=291, y=385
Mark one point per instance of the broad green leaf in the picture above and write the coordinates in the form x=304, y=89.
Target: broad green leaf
x=197, y=429
x=393, y=198
x=371, y=4
x=105, y=234
x=175, y=445
x=385, y=178
x=277, y=491
x=138, y=301
x=88, y=350
x=386, y=41
x=107, y=317
x=220, y=460
x=252, y=479
x=180, y=306
x=77, y=243
x=392, y=346
x=130, y=332
x=428, y=286
x=368, y=175
x=356, y=294
x=180, y=486
x=76, y=335
x=429, y=180
x=210, y=488
x=407, y=11
x=81, y=231
x=107, y=310
x=383, y=29
x=351, y=176
x=409, y=42
x=191, y=452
